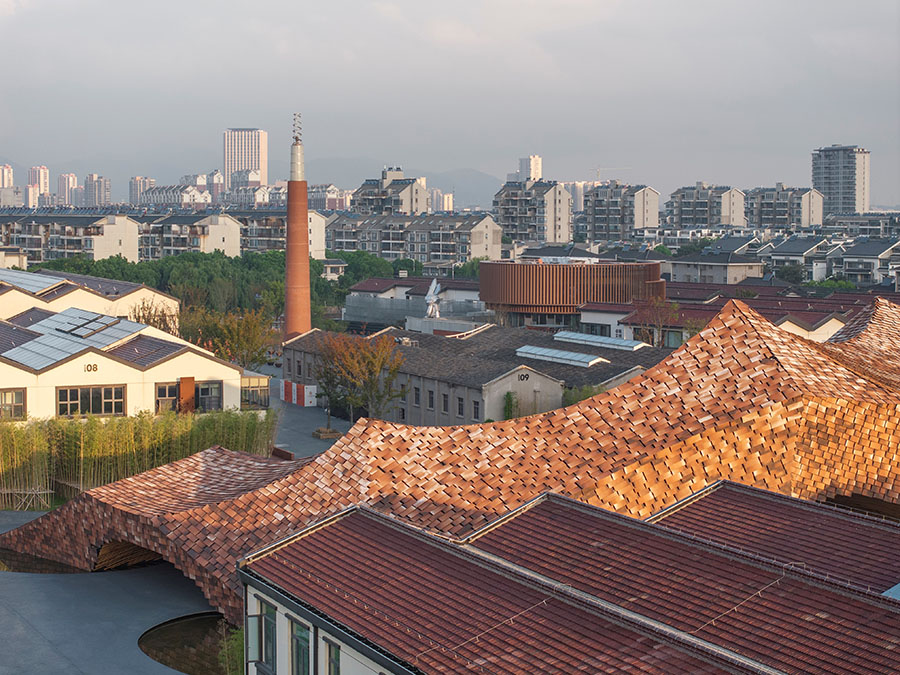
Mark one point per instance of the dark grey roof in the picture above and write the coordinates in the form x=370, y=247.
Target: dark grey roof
x=30, y=316
x=871, y=247
x=488, y=354
x=12, y=335
x=111, y=287
x=716, y=258
x=145, y=350
x=730, y=244
x=797, y=245
x=570, y=251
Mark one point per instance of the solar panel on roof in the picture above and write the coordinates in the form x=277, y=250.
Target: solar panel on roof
x=559, y=356
x=28, y=281
x=599, y=341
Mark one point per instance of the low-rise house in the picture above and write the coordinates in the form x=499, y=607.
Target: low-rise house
x=810, y=253
x=488, y=373
x=76, y=362
x=716, y=268
x=333, y=268
x=868, y=261
x=13, y=256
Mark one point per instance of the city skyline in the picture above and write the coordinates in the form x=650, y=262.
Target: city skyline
x=735, y=99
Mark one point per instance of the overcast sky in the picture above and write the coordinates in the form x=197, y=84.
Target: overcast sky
x=659, y=92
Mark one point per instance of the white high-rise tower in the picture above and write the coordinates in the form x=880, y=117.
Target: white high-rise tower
x=245, y=149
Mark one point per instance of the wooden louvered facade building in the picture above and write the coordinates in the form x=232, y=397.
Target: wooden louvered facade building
x=547, y=296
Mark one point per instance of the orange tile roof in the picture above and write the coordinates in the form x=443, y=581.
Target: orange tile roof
x=742, y=400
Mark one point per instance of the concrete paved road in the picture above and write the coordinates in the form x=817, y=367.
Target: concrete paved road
x=87, y=623
x=297, y=424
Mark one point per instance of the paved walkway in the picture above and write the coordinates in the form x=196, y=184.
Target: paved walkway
x=87, y=623
x=297, y=424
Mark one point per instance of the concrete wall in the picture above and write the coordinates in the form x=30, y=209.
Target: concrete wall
x=423, y=413
x=224, y=235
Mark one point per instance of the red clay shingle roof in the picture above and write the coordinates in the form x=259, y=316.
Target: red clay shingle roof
x=860, y=550
x=438, y=609
x=764, y=611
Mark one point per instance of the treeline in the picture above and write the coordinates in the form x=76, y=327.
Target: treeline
x=68, y=456
x=252, y=281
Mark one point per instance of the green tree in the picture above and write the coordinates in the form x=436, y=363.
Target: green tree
x=468, y=270
x=694, y=247
x=413, y=267
x=794, y=274
x=655, y=315
x=663, y=249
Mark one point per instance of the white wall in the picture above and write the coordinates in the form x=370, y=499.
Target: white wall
x=534, y=391
x=352, y=661
x=316, y=235
x=120, y=237
x=15, y=302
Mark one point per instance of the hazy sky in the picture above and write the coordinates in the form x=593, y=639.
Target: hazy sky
x=663, y=92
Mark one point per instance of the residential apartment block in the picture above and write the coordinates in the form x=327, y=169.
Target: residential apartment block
x=245, y=149
x=264, y=230
x=203, y=233
x=426, y=238
x=174, y=195
x=50, y=237
x=704, y=205
x=841, y=174
x=783, y=207
x=534, y=211
x=328, y=197
x=614, y=211
x=391, y=194
x=868, y=261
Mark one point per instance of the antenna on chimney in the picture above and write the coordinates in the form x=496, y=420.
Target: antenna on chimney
x=298, y=128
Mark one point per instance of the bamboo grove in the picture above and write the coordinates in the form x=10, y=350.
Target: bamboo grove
x=69, y=456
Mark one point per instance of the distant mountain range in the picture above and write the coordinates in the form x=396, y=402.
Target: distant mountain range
x=470, y=186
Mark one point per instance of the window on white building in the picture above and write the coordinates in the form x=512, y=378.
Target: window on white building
x=12, y=404
x=103, y=400
x=166, y=396
x=208, y=396
x=299, y=649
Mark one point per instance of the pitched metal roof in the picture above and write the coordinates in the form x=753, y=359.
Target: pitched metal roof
x=145, y=350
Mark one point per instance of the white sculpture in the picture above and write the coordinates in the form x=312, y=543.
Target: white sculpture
x=432, y=299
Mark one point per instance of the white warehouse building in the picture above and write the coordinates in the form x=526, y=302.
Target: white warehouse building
x=77, y=362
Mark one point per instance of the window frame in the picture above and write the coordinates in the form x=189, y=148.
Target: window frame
x=12, y=417
x=476, y=410
x=103, y=400
x=431, y=399
x=157, y=399
x=197, y=398
x=332, y=666
x=445, y=403
x=460, y=406
x=293, y=623
x=417, y=396
x=263, y=632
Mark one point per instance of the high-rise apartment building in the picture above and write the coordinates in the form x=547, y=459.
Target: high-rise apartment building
x=704, y=205
x=530, y=168
x=65, y=184
x=614, y=211
x=392, y=193
x=32, y=192
x=6, y=176
x=246, y=149
x=841, y=174
x=783, y=207
x=137, y=186
x=96, y=191
x=40, y=176
x=534, y=211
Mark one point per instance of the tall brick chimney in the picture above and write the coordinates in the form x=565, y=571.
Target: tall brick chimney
x=296, y=284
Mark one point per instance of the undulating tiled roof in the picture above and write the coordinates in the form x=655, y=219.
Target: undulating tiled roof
x=855, y=548
x=439, y=610
x=763, y=610
x=742, y=400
